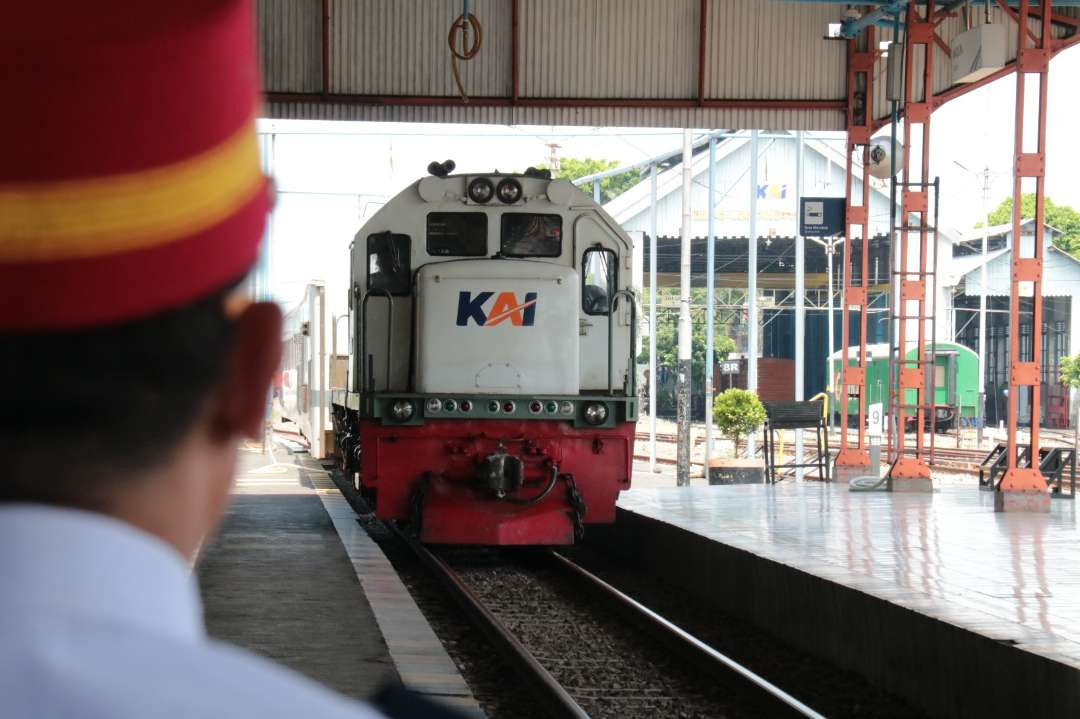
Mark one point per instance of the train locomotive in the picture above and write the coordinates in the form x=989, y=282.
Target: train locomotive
x=491, y=396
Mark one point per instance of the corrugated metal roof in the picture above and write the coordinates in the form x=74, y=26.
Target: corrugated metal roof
x=399, y=47
x=568, y=49
x=774, y=50
x=590, y=51
x=290, y=44
x=609, y=48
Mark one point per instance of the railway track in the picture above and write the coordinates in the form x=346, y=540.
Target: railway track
x=586, y=649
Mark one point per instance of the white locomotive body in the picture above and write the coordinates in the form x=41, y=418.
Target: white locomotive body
x=492, y=331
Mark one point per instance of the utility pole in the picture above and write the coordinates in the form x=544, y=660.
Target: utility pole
x=800, y=302
x=710, y=280
x=652, y=318
x=982, y=306
x=752, y=309
x=685, y=364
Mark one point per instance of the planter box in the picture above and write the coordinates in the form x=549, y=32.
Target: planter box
x=736, y=471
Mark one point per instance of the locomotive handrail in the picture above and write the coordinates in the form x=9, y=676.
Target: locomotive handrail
x=611, y=341
x=367, y=378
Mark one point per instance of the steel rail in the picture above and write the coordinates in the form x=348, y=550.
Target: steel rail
x=702, y=655
x=544, y=686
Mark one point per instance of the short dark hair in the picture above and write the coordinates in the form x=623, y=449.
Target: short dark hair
x=85, y=410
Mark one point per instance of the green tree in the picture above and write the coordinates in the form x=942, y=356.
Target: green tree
x=1070, y=377
x=571, y=168
x=737, y=413
x=1070, y=371
x=667, y=334
x=1061, y=217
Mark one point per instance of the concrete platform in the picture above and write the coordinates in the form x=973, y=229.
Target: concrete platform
x=293, y=576
x=933, y=596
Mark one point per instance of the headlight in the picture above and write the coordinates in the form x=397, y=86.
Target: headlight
x=595, y=413
x=509, y=191
x=481, y=190
x=402, y=410
x=434, y=405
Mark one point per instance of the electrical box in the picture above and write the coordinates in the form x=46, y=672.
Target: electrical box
x=978, y=52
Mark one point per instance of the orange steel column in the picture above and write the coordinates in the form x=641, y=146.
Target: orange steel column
x=854, y=459
x=1023, y=487
x=910, y=472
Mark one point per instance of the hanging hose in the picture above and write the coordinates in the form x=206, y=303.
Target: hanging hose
x=460, y=28
x=867, y=483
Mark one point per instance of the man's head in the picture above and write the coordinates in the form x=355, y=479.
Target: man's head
x=131, y=202
x=121, y=418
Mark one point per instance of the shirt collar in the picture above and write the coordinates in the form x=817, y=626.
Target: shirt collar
x=70, y=563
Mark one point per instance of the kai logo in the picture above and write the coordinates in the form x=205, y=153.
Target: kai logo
x=506, y=307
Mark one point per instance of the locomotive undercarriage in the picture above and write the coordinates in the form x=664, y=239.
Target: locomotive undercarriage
x=495, y=482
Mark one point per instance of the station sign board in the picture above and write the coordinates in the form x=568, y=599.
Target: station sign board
x=821, y=216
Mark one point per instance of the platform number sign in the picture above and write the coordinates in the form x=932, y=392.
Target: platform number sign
x=821, y=216
x=875, y=418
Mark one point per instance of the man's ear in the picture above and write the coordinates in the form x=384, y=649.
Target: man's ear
x=253, y=360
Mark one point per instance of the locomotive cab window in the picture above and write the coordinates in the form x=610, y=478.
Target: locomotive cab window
x=389, y=268
x=599, y=275
x=457, y=234
x=531, y=235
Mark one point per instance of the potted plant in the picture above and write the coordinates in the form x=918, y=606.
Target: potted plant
x=737, y=413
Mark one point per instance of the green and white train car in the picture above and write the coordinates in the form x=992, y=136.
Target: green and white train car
x=955, y=379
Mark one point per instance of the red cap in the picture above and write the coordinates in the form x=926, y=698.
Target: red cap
x=130, y=179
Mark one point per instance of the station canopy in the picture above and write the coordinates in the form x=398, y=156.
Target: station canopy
x=765, y=64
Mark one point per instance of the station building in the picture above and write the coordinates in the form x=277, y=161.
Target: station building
x=823, y=175
x=962, y=286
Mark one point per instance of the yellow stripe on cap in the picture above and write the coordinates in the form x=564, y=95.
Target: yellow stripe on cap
x=77, y=219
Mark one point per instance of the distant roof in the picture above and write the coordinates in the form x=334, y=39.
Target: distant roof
x=669, y=181
x=995, y=230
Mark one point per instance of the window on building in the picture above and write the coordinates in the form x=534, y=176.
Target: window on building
x=531, y=235
x=457, y=234
x=599, y=275
x=389, y=268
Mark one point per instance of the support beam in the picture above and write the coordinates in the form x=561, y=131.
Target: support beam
x=710, y=298
x=652, y=318
x=685, y=364
x=800, y=303
x=913, y=237
x=1023, y=487
x=559, y=102
x=703, y=26
x=853, y=459
x=751, y=281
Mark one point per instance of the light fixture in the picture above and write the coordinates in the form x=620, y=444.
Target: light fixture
x=595, y=413
x=481, y=190
x=509, y=191
x=402, y=410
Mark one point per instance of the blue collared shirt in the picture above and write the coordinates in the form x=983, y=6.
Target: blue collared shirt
x=99, y=619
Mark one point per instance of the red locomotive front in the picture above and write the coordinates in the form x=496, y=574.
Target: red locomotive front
x=492, y=381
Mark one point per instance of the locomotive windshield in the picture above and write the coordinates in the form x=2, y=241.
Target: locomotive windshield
x=529, y=235
x=460, y=234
